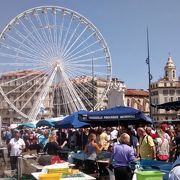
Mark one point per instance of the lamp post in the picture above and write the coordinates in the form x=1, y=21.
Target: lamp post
x=149, y=75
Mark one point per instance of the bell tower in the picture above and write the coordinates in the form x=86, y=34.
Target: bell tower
x=170, y=70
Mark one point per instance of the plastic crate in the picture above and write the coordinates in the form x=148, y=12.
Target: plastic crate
x=149, y=175
x=59, y=170
x=54, y=176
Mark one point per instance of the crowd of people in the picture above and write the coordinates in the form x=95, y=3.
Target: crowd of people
x=126, y=144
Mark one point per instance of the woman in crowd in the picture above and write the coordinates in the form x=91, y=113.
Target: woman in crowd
x=162, y=146
x=91, y=149
x=52, y=147
x=122, y=155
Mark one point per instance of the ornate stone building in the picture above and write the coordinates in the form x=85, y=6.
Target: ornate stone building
x=166, y=89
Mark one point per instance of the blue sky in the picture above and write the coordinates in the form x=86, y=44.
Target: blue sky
x=123, y=24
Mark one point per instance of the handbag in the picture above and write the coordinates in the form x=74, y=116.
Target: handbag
x=162, y=157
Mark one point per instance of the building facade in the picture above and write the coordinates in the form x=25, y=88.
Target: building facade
x=166, y=89
x=138, y=99
x=15, y=87
x=120, y=95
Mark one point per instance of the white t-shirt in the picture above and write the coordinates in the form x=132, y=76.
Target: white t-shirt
x=114, y=134
x=15, y=146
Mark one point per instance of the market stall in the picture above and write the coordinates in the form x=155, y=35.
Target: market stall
x=120, y=115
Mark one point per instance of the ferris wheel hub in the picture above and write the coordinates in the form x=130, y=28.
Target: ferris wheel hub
x=57, y=63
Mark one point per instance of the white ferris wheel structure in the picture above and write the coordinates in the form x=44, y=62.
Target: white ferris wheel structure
x=50, y=56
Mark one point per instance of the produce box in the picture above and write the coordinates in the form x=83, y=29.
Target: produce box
x=55, y=176
x=63, y=171
x=149, y=175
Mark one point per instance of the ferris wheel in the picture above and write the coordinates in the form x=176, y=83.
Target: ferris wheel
x=51, y=58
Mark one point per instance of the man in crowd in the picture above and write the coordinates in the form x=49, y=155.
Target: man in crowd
x=7, y=135
x=147, y=148
x=16, y=146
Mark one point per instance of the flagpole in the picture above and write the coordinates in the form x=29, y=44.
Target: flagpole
x=149, y=75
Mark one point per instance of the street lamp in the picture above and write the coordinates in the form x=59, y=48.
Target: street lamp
x=149, y=75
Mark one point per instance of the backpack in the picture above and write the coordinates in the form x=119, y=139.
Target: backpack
x=163, y=150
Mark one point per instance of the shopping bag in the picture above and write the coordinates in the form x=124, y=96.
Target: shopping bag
x=55, y=159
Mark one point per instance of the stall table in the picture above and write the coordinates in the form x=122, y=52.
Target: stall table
x=86, y=177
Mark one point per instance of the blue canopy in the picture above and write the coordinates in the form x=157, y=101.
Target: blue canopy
x=27, y=125
x=44, y=122
x=115, y=116
x=72, y=121
x=49, y=122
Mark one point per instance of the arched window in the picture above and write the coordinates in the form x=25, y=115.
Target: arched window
x=128, y=102
x=166, y=73
x=173, y=74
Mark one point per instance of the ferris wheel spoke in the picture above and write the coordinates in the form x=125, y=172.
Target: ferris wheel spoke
x=85, y=88
x=61, y=33
x=30, y=42
x=41, y=43
x=29, y=32
x=17, y=41
x=26, y=83
x=36, y=91
x=79, y=103
x=72, y=35
x=80, y=70
x=86, y=60
x=67, y=53
x=12, y=105
x=87, y=101
x=56, y=100
x=18, y=64
x=18, y=57
x=78, y=37
x=40, y=84
x=83, y=49
x=70, y=102
x=17, y=50
x=67, y=101
x=55, y=29
x=23, y=77
x=87, y=65
x=88, y=85
x=84, y=55
x=34, y=111
x=64, y=101
x=50, y=33
x=44, y=34
x=84, y=80
x=66, y=35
